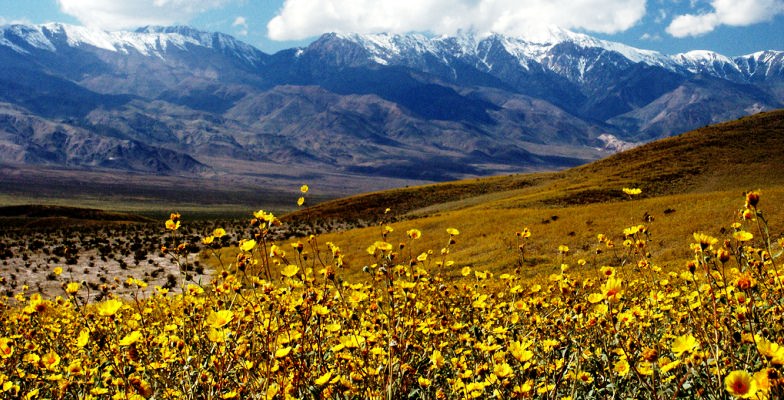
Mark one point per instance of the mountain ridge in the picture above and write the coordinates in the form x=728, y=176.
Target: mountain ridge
x=392, y=106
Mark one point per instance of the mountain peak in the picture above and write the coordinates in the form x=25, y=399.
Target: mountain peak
x=148, y=41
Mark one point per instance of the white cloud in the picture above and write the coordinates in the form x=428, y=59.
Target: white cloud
x=650, y=37
x=114, y=15
x=241, y=23
x=300, y=19
x=726, y=12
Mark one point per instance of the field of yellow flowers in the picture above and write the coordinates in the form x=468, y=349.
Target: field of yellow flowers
x=278, y=322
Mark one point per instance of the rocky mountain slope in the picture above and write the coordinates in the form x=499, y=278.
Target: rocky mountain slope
x=174, y=100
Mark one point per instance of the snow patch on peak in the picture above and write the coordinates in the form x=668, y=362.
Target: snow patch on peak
x=702, y=57
x=148, y=41
x=79, y=35
x=705, y=61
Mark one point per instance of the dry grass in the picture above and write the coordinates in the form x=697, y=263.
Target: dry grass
x=687, y=181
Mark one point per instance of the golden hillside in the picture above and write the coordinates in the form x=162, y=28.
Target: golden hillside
x=690, y=183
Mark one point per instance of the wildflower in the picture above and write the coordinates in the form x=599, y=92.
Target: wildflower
x=740, y=384
x=612, y=289
x=414, y=233
x=622, y=367
x=289, y=271
x=220, y=318
x=632, y=191
x=752, y=199
x=584, y=378
x=247, y=245
x=50, y=360
x=503, y=370
x=300, y=201
x=520, y=351
x=283, y=352
x=323, y=379
x=742, y=236
x=437, y=359
x=131, y=338
x=72, y=288
x=684, y=343
x=58, y=270
x=705, y=241
x=452, y=232
x=172, y=225
x=304, y=189
x=83, y=338
x=109, y=307
x=563, y=249
x=424, y=382
x=5, y=348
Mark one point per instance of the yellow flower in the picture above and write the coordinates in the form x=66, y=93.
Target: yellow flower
x=437, y=359
x=218, y=335
x=289, y=270
x=520, y=351
x=383, y=246
x=632, y=191
x=131, y=338
x=414, y=233
x=622, y=367
x=684, y=343
x=5, y=348
x=704, y=240
x=109, y=307
x=247, y=245
x=503, y=370
x=563, y=249
x=424, y=382
x=283, y=352
x=220, y=318
x=323, y=379
x=300, y=201
x=452, y=231
x=172, y=225
x=72, y=287
x=58, y=270
x=304, y=188
x=584, y=377
x=83, y=338
x=219, y=232
x=740, y=384
x=742, y=236
x=612, y=289
x=50, y=360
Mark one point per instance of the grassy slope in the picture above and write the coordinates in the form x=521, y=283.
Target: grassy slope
x=701, y=175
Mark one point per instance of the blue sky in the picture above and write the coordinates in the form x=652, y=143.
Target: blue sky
x=730, y=27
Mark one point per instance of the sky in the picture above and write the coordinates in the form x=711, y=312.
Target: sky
x=730, y=27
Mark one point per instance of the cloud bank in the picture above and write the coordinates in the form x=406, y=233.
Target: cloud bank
x=115, y=15
x=726, y=12
x=300, y=19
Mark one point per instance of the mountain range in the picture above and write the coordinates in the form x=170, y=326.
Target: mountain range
x=388, y=108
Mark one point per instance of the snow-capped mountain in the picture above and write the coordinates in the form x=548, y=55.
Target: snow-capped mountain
x=566, y=53
x=411, y=106
x=148, y=41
